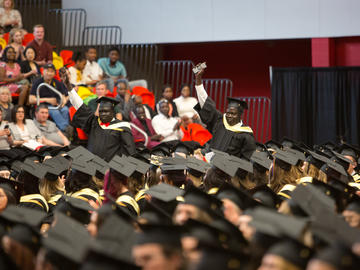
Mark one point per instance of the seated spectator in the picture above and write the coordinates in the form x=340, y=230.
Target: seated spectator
x=53, y=136
x=9, y=17
x=137, y=101
x=29, y=66
x=101, y=90
x=112, y=67
x=5, y=103
x=44, y=51
x=76, y=75
x=185, y=103
x=15, y=40
x=165, y=125
x=23, y=130
x=50, y=98
x=167, y=93
x=144, y=123
x=11, y=76
x=5, y=134
x=123, y=95
x=92, y=72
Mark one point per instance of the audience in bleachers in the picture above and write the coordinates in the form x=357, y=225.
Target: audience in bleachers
x=61, y=115
x=185, y=103
x=53, y=136
x=167, y=126
x=11, y=76
x=138, y=101
x=167, y=93
x=9, y=17
x=112, y=67
x=6, y=103
x=44, y=50
x=29, y=66
x=101, y=90
x=92, y=72
x=138, y=118
x=124, y=98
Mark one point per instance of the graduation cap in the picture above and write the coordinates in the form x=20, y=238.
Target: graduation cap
x=165, y=192
x=241, y=105
x=152, y=214
x=343, y=161
x=266, y=196
x=203, y=201
x=162, y=149
x=35, y=169
x=225, y=164
x=67, y=241
x=83, y=167
x=109, y=100
x=160, y=234
x=261, y=161
x=196, y=167
x=141, y=166
x=74, y=208
x=122, y=166
x=286, y=159
x=240, y=197
x=23, y=215
x=350, y=150
x=288, y=143
x=329, y=145
x=273, y=145
x=100, y=165
x=173, y=160
x=292, y=251
x=55, y=169
x=172, y=168
x=81, y=153
x=12, y=189
x=187, y=147
x=334, y=170
x=242, y=164
x=316, y=159
x=26, y=235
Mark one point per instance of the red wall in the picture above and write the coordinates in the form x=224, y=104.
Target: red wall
x=246, y=63
x=347, y=51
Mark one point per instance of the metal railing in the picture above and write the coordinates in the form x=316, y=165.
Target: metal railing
x=219, y=90
x=70, y=24
x=33, y=12
x=57, y=92
x=258, y=117
x=175, y=73
x=102, y=35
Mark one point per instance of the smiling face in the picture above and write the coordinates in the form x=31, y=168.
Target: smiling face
x=49, y=74
x=30, y=54
x=106, y=112
x=20, y=114
x=232, y=116
x=91, y=54
x=11, y=54
x=185, y=91
x=39, y=33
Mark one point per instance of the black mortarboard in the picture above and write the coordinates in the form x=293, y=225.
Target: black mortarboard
x=173, y=168
x=141, y=166
x=23, y=215
x=343, y=161
x=67, y=238
x=316, y=159
x=273, y=145
x=224, y=164
x=292, y=251
x=74, y=208
x=335, y=171
x=173, y=160
x=337, y=195
x=261, y=160
x=240, y=197
x=152, y=214
x=196, y=167
x=53, y=171
x=81, y=153
x=160, y=234
x=299, y=154
x=286, y=159
x=12, y=187
x=266, y=196
x=34, y=169
x=122, y=166
x=84, y=167
x=161, y=149
x=241, y=105
x=26, y=235
x=242, y=164
x=100, y=165
x=110, y=100
x=187, y=147
x=288, y=143
x=165, y=192
x=202, y=200
x=350, y=150
x=143, y=154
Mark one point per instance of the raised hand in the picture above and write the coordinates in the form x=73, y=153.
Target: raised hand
x=198, y=76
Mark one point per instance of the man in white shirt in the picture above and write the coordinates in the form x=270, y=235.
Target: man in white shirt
x=166, y=126
x=92, y=72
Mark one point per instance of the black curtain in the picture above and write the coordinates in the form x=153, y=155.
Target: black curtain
x=316, y=105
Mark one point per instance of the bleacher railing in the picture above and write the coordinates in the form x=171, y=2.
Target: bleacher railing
x=70, y=24
x=102, y=36
x=258, y=117
x=33, y=12
x=175, y=73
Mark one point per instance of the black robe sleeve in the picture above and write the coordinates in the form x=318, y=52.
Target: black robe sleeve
x=128, y=142
x=209, y=115
x=83, y=119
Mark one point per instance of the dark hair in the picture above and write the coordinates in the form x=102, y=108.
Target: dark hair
x=78, y=56
x=215, y=178
x=79, y=180
x=185, y=85
x=14, y=110
x=91, y=47
x=41, y=106
x=114, y=49
x=27, y=48
x=4, y=57
x=166, y=86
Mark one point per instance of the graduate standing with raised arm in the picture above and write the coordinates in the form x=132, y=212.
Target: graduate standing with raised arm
x=230, y=135
x=108, y=136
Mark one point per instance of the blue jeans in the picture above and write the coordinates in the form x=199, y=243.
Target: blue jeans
x=60, y=117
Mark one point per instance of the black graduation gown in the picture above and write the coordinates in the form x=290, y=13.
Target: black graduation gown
x=234, y=143
x=105, y=143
